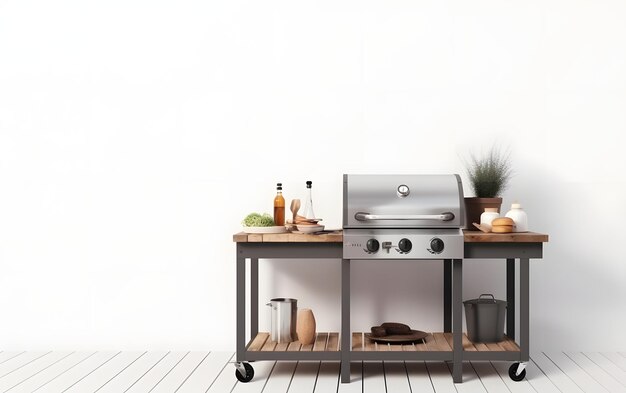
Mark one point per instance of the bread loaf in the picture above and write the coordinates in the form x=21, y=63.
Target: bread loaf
x=396, y=328
x=378, y=331
x=502, y=225
x=502, y=221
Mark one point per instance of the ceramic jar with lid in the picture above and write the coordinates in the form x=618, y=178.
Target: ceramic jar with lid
x=490, y=214
x=519, y=217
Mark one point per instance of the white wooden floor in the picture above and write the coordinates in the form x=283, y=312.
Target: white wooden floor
x=83, y=372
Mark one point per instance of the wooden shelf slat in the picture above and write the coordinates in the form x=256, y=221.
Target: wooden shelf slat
x=294, y=346
x=509, y=345
x=467, y=344
x=440, y=342
x=320, y=342
x=258, y=342
x=333, y=342
x=269, y=346
x=357, y=342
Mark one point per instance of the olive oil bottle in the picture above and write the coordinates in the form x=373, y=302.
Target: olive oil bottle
x=279, y=206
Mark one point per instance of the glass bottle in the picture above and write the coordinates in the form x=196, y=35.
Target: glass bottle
x=308, y=204
x=279, y=206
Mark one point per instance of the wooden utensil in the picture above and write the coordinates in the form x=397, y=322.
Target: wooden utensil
x=295, y=206
x=482, y=228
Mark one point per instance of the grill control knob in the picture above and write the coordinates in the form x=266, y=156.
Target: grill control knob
x=436, y=245
x=405, y=245
x=372, y=245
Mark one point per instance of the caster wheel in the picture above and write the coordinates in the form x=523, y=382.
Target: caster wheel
x=513, y=373
x=249, y=373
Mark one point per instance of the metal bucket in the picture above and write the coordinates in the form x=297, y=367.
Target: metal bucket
x=284, y=313
x=485, y=319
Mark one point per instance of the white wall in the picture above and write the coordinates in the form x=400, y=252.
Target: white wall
x=135, y=135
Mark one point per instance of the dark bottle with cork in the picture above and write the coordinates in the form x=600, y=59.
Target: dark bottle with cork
x=279, y=206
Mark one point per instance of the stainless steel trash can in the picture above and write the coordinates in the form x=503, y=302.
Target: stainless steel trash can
x=485, y=319
x=283, y=319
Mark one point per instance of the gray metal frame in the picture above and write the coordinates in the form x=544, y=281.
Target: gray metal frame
x=453, y=306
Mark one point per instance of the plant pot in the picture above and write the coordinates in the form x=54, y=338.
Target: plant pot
x=474, y=207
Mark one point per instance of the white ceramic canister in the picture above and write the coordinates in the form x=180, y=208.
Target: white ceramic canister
x=519, y=216
x=490, y=214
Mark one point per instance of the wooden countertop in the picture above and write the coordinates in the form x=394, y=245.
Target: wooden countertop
x=332, y=237
x=337, y=237
x=524, y=237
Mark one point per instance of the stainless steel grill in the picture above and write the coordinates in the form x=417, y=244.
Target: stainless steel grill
x=403, y=217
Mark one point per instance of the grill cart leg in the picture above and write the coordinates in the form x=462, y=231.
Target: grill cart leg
x=457, y=326
x=345, y=321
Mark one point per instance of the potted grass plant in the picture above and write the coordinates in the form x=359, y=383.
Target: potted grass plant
x=489, y=175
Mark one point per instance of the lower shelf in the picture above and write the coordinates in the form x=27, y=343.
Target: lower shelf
x=329, y=342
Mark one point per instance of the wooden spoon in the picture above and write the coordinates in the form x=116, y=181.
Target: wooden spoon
x=295, y=206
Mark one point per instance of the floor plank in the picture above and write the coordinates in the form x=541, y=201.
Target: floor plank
x=489, y=377
x=207, y=371
x=28, y=370
x=555, y=374
x=280, y=378
x=133, y=372
x=180, y=373
x=226, y=380
x=440, y=377
x=102, y=375
x=418, y=377
x=356, y=379
x=471, y=382
x=53, y=371
x=77, y=372
x=262, y=371
x=152, y=377
x=396, y=377
x=327, y=378
x=515, y=387
x=617, y=359
x=304, y=377
x=17, y=362
x=8, y=355
x=611, y=368
x=538, y=380
x=373, y=377
x=606, y=380
x=577, y=374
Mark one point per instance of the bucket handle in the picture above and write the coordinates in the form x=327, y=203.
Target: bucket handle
x=487, y=295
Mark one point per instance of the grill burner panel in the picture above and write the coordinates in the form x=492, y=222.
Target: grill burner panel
x=403, y=244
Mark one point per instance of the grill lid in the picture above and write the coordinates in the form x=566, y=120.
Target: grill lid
x=403, y=201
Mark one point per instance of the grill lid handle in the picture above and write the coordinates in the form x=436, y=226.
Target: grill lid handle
x=447, y=216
